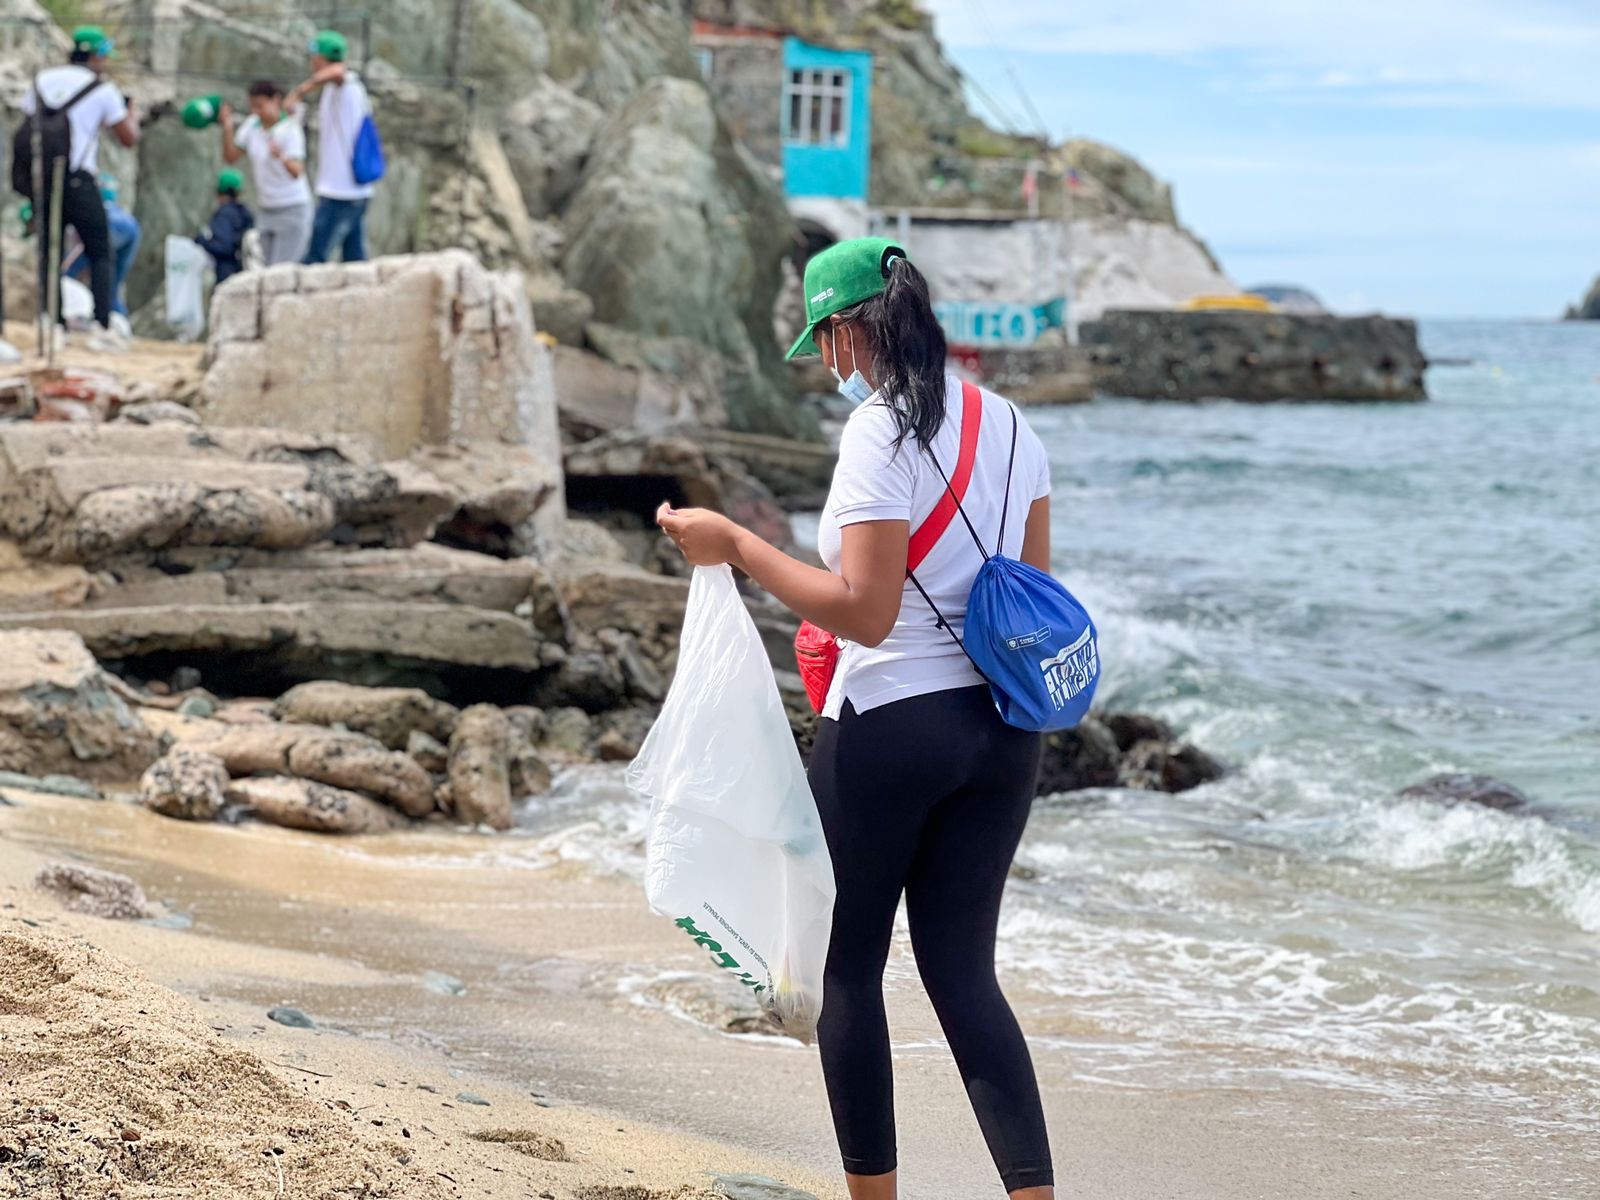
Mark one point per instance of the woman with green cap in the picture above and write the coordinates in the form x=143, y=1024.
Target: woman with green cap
x=922, y=788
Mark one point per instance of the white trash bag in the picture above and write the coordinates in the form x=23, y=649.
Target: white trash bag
x=185, y=292
x=735, y=853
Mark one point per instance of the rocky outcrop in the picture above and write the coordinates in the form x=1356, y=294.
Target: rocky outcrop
x=671, y=234
x=419, y=353
x=339, y=759
x=1453, y=788
x=1126, y=750
x=1255, y=356
x=1587, y=309
x=59, y=715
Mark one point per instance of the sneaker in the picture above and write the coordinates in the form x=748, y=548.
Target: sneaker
x=107, y=341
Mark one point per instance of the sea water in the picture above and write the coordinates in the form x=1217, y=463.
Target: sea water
x=1338, y=601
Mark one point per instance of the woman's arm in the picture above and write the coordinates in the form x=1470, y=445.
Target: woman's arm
x=1036, y=535
x=861, y=603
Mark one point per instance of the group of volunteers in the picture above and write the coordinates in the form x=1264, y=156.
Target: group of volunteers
x=298, y=217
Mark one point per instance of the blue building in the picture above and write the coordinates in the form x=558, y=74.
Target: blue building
x=826, y=127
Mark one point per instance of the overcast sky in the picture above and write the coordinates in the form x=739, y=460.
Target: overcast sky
x=1428, y=157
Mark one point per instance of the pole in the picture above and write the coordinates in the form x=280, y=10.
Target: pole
x=1068, y=275
x=58, y=174
x=38, y=216
x=458, y=37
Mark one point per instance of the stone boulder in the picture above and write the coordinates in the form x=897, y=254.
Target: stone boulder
x=673, y=232
x=59, y=714
x=185, y=783
x=316, y=807
x=547, y=134
x=390, y=715
x=94, y=892
x=1587, y=309
x=1453, y=788
x=479, y=768
x=1126, y=750
x=407, y=353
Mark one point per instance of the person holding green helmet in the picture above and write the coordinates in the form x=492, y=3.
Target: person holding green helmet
x=922, y=787
x=79, y=92
x=341, y=212
x=223, y=236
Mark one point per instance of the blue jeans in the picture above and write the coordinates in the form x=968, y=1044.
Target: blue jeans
x=342, y=221
x=124, y=227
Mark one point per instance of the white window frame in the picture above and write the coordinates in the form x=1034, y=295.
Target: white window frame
x=820, y=97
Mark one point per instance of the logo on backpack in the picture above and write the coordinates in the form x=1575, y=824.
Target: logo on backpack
x=1023, y=640
x=1071, y=670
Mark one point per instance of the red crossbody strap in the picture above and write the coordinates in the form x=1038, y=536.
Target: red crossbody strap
x=927, y=535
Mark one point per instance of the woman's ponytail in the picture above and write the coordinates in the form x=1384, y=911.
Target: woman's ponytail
x=908, y=350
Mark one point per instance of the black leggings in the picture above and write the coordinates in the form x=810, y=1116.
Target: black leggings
x=928, y=796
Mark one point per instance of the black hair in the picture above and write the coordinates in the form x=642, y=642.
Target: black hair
x=909, y=349
x=80, y=55
x=230, y=193
x=267, y=88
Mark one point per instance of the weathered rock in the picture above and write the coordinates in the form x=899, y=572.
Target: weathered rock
x=87, y=493
x=1587, y=309
x=568, y=733
x=1166, y=766
x=316, y=807
x=1130, y=728
x=343, y=760
x=51, y=785
x=1255, y=356
x=673, y=232
x=479, y=768
x=1452, y=788
x=186, y=783
x=360, y=764
x=409, y=352
x=622, y=733
x=94, y=892
x=58, y=714
x=1085, y=757
x=547, y=134
x=156, y=412
x=432, y=755
x=713, y=1001
x=530, y=774
x=389, y=715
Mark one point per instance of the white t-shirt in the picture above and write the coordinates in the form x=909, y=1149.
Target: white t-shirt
x=878, y=481
x=275, y=186
x=101, y=107
x=340, y=112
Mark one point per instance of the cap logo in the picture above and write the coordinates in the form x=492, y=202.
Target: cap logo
x=820, y=297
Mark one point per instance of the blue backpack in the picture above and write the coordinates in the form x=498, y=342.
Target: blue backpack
x=367, y=161
x=1025, y=633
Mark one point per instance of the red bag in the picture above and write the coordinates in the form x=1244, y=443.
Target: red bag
x=816, y=651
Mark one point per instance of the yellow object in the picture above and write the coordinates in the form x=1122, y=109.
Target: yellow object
x=1242, y=302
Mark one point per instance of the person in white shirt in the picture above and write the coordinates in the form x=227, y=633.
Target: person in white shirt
x=92, y=103
x=922, y=787
x=275, y=143
x=341, y=215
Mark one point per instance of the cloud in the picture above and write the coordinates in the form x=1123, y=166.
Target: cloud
x=1436, y=52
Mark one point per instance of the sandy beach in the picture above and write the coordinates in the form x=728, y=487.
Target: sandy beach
x=556, y=1028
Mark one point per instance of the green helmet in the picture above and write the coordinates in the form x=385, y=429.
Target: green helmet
x=202, y=111
x=844, y=274
x=229, y=180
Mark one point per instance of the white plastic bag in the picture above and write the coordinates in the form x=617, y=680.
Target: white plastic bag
x=186, y=266
x=735, y=853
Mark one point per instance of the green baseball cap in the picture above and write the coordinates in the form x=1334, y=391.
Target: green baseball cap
x=229, y=180
x=330, y=44
x=92, y=39
x=844, y=274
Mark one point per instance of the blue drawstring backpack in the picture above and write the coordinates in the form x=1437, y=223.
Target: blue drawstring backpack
x=1025, y=633
x=367, y=162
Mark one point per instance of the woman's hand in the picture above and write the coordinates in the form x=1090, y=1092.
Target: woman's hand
x=706, y=538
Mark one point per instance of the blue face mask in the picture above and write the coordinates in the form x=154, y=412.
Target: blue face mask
x=856, y=389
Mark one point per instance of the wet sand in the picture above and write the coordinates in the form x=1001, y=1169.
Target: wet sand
x=553, y=959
